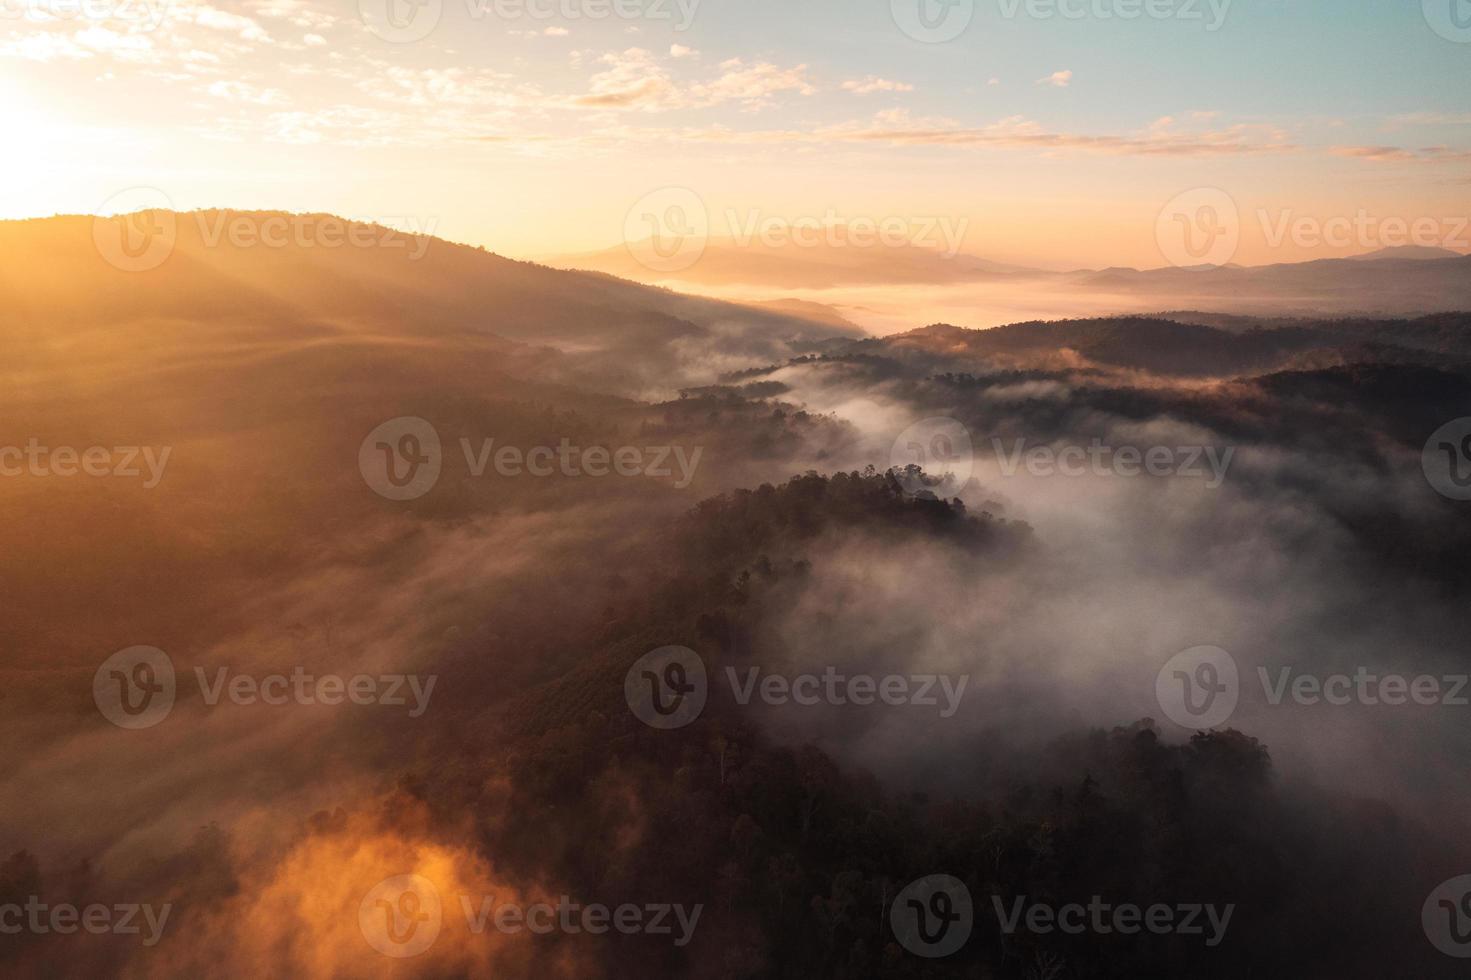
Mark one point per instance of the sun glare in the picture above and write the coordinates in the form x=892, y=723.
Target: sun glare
x=34, y=143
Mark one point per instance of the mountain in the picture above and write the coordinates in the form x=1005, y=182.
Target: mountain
x=807, y=310
x=617, y=335
x=1415, y=253
x=1390, y=282
x=1327, y=286
x=729, y=262
x=798, y=546
x=1180, y=344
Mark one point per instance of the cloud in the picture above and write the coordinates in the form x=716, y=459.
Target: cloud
x=873, y=84
x=633, y=79
x=1397, y=154
x=753, y=85
x=242, y=92
x=680, y=51
x=297, y=12
x=1058, y=79
x=1432, y=119
x=899, y=128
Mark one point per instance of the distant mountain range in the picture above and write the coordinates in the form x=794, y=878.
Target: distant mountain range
x=1393, y=283
x=1181, y=344
x=1408, y=253
x=728, y=262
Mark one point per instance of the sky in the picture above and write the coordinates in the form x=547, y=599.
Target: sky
x=1055, y=132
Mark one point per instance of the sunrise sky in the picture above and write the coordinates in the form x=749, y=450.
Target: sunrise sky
x=1058, y=138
